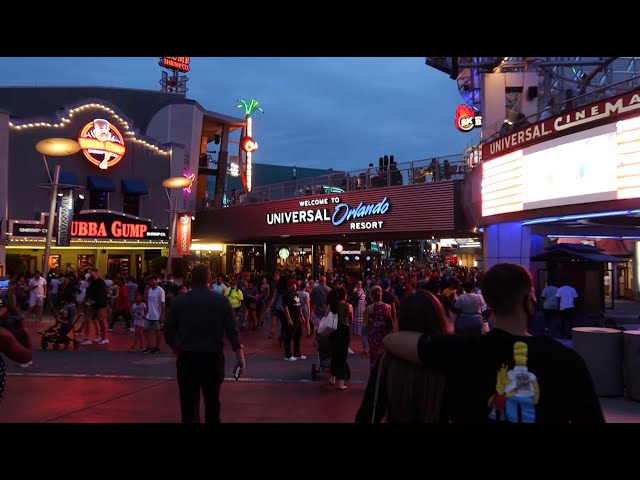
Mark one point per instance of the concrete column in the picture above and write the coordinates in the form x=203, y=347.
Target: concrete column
x=221, y=177
x=328, y=257
x=636, y=271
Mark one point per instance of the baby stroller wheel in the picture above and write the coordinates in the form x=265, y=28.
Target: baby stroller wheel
x=76, y=344
x=56, y=346
x=44, y=344
x=314, y=372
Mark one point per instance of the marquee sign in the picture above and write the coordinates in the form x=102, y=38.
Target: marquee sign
x=102, y=143
x=589, y=116
x=97, y=224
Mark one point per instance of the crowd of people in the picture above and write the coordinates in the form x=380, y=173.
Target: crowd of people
x=457, y=340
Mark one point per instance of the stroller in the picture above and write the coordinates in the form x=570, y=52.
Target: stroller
x=62, y=333
x=324, y=356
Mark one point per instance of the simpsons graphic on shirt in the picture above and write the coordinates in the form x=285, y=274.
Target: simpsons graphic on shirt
x=522, y=391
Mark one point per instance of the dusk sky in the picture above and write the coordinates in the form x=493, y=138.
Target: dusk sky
x=319, y=112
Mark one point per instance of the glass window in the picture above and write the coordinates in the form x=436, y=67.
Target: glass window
x=131, y=204
x=98, y=200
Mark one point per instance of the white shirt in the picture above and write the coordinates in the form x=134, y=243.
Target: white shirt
x=219, y=288
x=567, y=295
x=549, y=296
x=39, y=283
x=155, y=299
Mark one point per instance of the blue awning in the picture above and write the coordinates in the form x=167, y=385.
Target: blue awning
x=68, y=178
x=100, y=184
x=137, y=187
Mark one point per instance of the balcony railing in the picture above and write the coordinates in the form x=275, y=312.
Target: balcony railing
x=437, y=169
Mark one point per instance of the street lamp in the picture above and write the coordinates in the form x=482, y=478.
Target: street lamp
x=56, y=147
x=175, y=183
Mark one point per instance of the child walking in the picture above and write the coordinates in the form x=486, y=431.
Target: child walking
x=138, y=312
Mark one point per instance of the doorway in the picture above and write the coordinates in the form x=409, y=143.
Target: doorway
x=118, y=266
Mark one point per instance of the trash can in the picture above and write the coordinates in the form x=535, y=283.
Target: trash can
x=631, y=340
x=601, y=349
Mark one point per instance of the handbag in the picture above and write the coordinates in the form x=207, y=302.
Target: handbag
x=328, y=324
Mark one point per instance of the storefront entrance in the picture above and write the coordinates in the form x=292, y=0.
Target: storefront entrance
x=118, y=266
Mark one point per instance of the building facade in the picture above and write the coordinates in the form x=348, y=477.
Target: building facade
x=112, y=209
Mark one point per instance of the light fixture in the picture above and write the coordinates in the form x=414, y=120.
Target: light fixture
x=56, y=147
x=176, y=182
x=193, y=217
x=81, y=197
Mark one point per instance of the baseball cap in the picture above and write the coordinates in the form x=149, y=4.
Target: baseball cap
x=384, y=283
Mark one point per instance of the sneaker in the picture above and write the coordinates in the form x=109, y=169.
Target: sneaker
x=110, y=329
x=26, y=365
x=290, y=359
x=104, y=341
x=154, y=350
x=301, y=357
x=146, y=350
x=86, y=341
x=351, y=352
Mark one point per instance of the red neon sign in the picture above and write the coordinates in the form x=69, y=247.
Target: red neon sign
x=467, y=119
x=117, y=229
x=176, y=63
x=102, y=143
x=248, y=144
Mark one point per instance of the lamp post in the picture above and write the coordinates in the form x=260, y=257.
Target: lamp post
x=175, y=183
x=56, y=147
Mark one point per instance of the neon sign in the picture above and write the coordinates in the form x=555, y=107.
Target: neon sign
x=191, y=177
x=176, y=63
x=102, y=143
x=467, y=119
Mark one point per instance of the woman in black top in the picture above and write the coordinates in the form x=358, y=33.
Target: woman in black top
x=341, y=337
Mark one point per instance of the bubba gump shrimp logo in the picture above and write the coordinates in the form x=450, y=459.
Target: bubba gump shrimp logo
x=102, y=143
x=467, y=119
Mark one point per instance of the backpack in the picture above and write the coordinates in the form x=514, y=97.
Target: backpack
x=354, y=299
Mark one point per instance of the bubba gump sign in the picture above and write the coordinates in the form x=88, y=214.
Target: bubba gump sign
x=589, y=116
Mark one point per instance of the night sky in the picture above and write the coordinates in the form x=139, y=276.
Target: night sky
x=319, y=112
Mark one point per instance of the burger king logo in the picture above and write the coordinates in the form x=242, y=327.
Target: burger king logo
x=467, y=119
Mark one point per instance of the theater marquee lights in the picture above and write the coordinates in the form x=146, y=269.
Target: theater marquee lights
x=102, y=143
x=595, y=165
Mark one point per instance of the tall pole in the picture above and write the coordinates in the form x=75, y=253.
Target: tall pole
x=52, y=213
x=172, y=242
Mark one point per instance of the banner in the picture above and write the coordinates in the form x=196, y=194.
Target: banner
x=183, y=245
x=65, y=219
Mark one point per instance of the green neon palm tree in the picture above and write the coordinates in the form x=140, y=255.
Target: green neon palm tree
x=250, y=107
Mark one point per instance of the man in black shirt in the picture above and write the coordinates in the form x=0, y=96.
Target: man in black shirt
x=506, y=375
x=292, y=329
x=195, y=329
x=98, y=300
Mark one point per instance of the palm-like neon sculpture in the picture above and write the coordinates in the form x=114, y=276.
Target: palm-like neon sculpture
x=247, y=140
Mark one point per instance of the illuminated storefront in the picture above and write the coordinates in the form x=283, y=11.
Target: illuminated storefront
x=112, y=208
x=572, y=177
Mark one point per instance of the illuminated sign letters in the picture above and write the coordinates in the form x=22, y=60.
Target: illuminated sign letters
x=184, y=235
x=102, y=143
x=343, y=212
x=180, y=64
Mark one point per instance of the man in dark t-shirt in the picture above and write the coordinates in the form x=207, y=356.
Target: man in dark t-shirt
x=292, y=328
x=506, y=375
x=98, y=300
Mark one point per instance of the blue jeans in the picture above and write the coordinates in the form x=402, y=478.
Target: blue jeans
x=365, y=337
